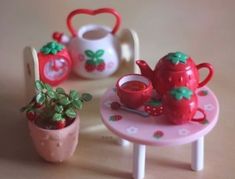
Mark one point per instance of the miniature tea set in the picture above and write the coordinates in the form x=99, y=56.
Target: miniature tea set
x=93, y=52
x=174, y=80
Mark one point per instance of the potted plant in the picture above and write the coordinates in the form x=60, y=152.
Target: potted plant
x=54, y=122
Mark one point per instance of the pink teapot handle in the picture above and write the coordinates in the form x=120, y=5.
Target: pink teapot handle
x=209, y=76
x=201, y=118
x=93, y=12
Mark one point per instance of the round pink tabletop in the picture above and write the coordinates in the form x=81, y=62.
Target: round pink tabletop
x=156, y=130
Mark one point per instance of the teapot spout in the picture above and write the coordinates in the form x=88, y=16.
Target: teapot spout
x=145, y=69
x=61, y=38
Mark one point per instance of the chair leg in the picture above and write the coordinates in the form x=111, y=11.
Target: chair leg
x=139, y=161
x=198, y=154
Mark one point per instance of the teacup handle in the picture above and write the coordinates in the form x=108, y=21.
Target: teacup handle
x=209, y=76
x=93, y=12
x=201, y=118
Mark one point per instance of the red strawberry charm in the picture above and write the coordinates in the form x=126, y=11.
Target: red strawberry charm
x=69, y=121
x=158, y=134
x=203, y=93
x=101, y=66
x=115, y=118
x=89, y=66
x=154, y=107
x=31, y=115
x=38, y=105
x=180, y=105
x=60, y=124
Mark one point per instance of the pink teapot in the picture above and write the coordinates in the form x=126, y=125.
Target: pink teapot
x=174, y=70
x=94, y=49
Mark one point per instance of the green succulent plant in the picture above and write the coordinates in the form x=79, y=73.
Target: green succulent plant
x=55, y=105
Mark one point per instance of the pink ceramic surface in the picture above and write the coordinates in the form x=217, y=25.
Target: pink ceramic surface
x=55, y=145
x=156, y=130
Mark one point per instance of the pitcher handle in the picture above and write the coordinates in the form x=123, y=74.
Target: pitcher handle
x=209, y=76
x=93, y=12
x=129, y=38
x=201, y=118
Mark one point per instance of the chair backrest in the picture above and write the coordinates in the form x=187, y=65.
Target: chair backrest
x=31, y=71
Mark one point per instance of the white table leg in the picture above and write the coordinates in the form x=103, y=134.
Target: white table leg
x=198, y=154
x=123, y=142
x=139, y=161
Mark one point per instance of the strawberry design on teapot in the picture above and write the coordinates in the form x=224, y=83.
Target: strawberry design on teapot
x=174, y=70
x=94, y=49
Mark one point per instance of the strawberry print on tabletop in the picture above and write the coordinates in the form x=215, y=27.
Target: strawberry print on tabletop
x=156, y=130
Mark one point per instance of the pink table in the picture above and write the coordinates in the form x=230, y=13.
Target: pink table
x=157, y=131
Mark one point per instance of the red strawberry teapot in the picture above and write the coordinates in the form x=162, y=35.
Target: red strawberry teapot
x=174, y=70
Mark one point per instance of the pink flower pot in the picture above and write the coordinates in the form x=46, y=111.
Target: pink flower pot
x=55, y=145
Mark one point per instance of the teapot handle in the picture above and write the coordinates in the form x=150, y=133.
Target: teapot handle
x=209, y=76
x=93, y=12
x=130, y=47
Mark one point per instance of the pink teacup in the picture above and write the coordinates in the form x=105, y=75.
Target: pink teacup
x=134, y=90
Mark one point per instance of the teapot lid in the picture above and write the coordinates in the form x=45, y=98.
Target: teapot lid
x=175, y=61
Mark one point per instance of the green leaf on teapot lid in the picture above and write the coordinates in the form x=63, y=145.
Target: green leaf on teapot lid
x=181, y=92
x=51, y=48
x=177, y=57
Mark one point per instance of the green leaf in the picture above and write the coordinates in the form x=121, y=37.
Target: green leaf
x=70, y=113
x=86, y=97
x=57, y=117
x=40, y=98
x=52, y=44
x=39, y=85
x=99, y=53
x=154, y=102
x=99, y=61
x=60, y=90
x=48, y=87
x=181, y=92
x=73, y=95
x=59, y=47
x=53, y=51
x=45, y=50
x=59, y=108
x=77, y=104
x=89, y=53
x=51, y=48
x=177, y=57
x=51, y=94
x=92, y=62
x=64, y=101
